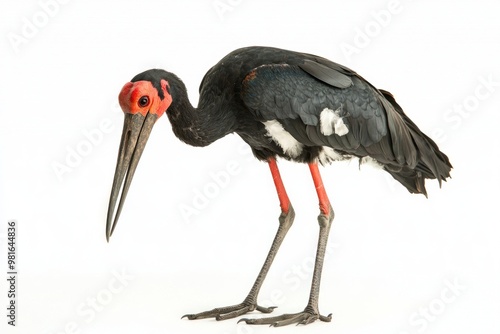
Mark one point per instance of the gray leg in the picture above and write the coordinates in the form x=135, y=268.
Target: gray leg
x=250, y=303
x=311, y=312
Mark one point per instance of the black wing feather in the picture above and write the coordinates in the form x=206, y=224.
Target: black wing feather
x=326, y=74
x=281, y=92
x=296, y=94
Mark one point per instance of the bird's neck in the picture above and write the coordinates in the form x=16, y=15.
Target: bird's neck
x=199, y=126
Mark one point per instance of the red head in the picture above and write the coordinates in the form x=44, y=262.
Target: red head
x=141, y=97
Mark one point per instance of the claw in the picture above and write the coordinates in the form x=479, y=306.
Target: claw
x=266, y=309
x=328, y=318
x=246, y=320
x=189, y=316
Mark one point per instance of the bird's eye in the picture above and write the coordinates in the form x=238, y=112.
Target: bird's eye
x=143, y=101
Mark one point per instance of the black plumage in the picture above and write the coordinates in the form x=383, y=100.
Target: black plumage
x=257, y=84
x=285, y=104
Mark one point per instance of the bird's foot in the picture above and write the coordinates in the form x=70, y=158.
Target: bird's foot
x=229, y=312
x=302, y=318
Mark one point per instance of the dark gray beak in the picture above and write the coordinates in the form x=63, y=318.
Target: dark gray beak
x=136, y=130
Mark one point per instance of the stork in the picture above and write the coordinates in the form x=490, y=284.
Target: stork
x=284, y=104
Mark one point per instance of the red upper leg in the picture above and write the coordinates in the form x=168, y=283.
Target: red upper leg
x=280, y=188
x=324, y=202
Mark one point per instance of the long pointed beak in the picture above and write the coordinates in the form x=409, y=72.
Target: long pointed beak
x=136, y=130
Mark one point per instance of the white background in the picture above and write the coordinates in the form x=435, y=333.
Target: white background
x=392, y=255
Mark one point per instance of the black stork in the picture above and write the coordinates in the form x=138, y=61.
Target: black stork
x=285, y=104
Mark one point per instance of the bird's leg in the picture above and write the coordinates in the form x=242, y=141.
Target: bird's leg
x=325, y=222
x=311, y=312
x=285, y=222
x=250, y=302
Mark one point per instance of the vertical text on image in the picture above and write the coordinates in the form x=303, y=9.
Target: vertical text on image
x=12, y=265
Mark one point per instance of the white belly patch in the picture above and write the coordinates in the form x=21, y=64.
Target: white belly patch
x=283, y=138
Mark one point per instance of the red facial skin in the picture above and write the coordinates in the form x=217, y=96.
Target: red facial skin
x=131, y=95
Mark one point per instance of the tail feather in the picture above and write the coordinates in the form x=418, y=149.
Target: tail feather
x=431, y=163
x=411, y=179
